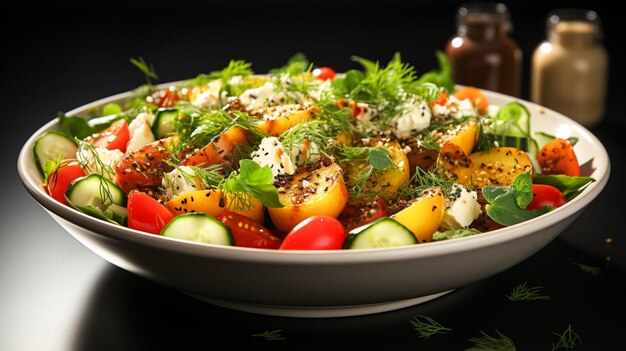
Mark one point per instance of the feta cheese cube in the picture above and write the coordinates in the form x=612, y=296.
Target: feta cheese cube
x=140, y=132
x=272, y=153
x=462, y=208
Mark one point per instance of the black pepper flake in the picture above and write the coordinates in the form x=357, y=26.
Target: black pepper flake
x=434, y=208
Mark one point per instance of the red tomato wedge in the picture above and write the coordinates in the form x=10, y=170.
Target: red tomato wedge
x=248, y=233
x=546, y=195
x=558, y=157
x=315, y=233
x=145, y=213
x=116, y=136
x=479, y=100
x=59, y=180
x=144, y=167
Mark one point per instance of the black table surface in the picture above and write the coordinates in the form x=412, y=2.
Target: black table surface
x=55, y=294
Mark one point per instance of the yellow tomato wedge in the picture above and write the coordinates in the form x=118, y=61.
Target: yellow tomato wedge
x=283, y=118
x=496, y=166
x=313, y=190
x=212, y=202
x=464, y=136
x=423, y=216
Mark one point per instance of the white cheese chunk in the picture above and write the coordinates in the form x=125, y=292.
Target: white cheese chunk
x=461, y=209
x=99, y=160
x=180, y=181
x=140, y=132
x=209, y=98
x=272, y=153
x=414, y=118
x=455, y=108
x=257, y=98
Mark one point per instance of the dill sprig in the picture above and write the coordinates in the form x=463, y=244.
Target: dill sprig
x=492, y=343
x=426, y=326
x=212, y=177
x=523, y=292
x=595, y=271
x=234, y=68
x=567, y=340
x=89, y=159
x=423, y=180
x=273, y=335
x=145, y=68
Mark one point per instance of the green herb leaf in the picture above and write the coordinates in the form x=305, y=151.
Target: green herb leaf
x=273, y=335
x=111, y=109
x=595, y=271
x=50, y=167
x=145, y=68
x=426, y=326
x=503, y=203
x=297, y=64
x=524, y=293
x=455, y=233
x=492, y=343
x=568, y=185
x=523, y=186
x=75, y=127
x=567, y=340
x=253, y=180
x=379, y=158
x=441, y=77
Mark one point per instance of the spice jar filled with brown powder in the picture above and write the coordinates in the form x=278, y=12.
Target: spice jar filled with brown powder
x=569, y=69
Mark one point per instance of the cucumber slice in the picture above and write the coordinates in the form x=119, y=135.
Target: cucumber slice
x=199, y=227
x=164, y=122
x=50, y=146
x=384, y=232
x=98, y=197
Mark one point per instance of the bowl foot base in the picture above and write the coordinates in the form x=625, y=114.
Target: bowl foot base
x=319, y=312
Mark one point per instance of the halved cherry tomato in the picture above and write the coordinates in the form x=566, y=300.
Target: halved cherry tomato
x=165, y=97
x=356, y=214
x=441, y=99
x=558, y=157
x=315, y=233
x=145, y=213
x=248, y=233
x=546, y=195
x=477, y=97
x=60, y=179
x=324, y=73
x=116, y=136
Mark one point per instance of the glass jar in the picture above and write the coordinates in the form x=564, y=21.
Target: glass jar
x=482, y=54
x=569, y=69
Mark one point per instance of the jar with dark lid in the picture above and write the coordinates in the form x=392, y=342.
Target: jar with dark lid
x=482, y=54
x=570, y=68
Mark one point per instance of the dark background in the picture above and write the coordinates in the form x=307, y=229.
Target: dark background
x=55, y=294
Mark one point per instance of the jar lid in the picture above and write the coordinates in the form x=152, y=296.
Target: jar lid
x=480, y=12
x=574, y=21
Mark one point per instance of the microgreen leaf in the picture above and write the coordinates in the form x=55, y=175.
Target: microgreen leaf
x=50, y=167
x=253, y=180
x=567, y=340
x=523, y=186
x=145, y=68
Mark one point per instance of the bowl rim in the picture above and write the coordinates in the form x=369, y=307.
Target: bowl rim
x=102, y=228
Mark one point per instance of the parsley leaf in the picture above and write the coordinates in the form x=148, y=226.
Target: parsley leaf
x=255, y=181
x=504, y=202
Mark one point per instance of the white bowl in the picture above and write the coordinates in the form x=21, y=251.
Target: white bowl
x=326, y=283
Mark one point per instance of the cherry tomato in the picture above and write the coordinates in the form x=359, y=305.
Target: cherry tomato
x=324, y=73
x=441, y=99
x=477, y=97
x=166, y=97
x=355, y=214
x=315, y=233
x=248, y=233
x=145, y=213
x=59, y=180
x=116, y=136
x=558, y=157
x=546, y=195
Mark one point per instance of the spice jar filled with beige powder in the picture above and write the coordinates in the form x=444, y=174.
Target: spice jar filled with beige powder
x=569, y=69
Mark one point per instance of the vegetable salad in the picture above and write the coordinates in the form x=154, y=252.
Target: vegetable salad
x=303, y=158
